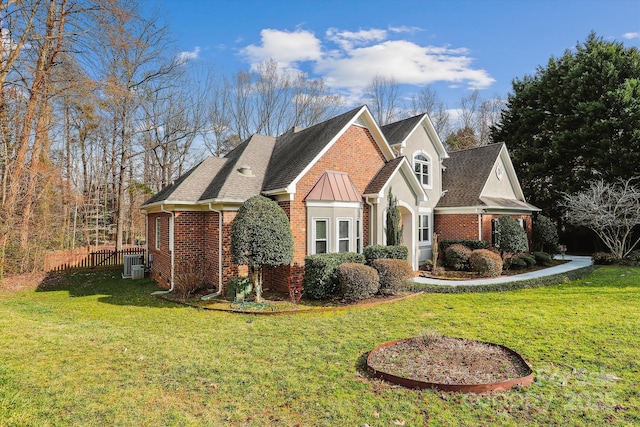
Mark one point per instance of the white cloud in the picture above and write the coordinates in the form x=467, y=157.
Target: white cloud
x=285, y=47
x=355, y=57
x=184, y=57
x=631, y=36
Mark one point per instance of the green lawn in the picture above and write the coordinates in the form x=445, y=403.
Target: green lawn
x=98, y=350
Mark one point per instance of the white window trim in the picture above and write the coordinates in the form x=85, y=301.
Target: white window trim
x=313, y=233
x=358, y=235
x=429, y=184
x=157, y=233
x=429, y=225
x=350, y=236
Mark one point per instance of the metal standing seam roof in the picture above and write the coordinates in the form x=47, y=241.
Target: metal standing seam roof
x=334, y=186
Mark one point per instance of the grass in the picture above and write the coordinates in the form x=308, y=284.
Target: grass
x=99, y=350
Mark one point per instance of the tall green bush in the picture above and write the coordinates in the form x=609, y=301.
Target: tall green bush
x=512, y=238
x=261, y=236
x=545, y=234
x=394, y=231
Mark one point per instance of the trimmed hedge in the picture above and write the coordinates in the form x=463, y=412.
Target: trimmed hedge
x=320, y=279
x=471, y=244
x=392, y=273
x=357, y=281
x=604, y=258
x=373, y=252
x=457, y=257
x=486, y=262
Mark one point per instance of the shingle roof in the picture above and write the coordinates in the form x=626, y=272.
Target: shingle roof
x=190, y=186
x=334, y=186
x=294, y=151
x=382, y=177
x=399, y=131
x=465, y=175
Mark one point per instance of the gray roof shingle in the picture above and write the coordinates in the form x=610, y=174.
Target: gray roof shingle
x=384, y=174
x=399, y=131
x=466, y=173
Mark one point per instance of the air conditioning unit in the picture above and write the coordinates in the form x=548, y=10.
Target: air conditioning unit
x=129, y=261
x=137, y=272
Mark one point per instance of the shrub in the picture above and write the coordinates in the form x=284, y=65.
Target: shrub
x=471, y=244
x=530, y=260
x=543, y=258
x=187, y=283
x=486, y=262
x=517, y=263
x=545, y=233
x=357, y=281
x=238, y=285
x=634, y=258
x=373, y=252
x=320, y=279
x=457, y=257
x=392, y=273
x=604, y=258
x=512, y=237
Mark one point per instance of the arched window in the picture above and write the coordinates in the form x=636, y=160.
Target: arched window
x=422, y=168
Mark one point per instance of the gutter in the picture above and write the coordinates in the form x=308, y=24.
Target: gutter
x=171, y=248
x=217, y=294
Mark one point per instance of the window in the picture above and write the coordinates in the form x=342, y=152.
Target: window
x=358, y=237
x=321, y=244
x=344, y=235
x=495, y=232
x=421, y=166
x=522, y=223
x=424, y=235
x=157, y=234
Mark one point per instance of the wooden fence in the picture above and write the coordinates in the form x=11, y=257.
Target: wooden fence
x=98, y=258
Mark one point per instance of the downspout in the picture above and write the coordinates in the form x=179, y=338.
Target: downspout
x=217, y=294
x=171, y=247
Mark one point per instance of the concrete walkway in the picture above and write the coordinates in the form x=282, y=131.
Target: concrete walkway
x=575, y=262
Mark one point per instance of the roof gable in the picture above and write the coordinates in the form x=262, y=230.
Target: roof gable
x=399, y=132
x=296, y=152
x=387, y=172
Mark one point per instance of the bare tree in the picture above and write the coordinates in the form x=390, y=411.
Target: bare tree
x=612, y=211
x=427, y=101
x=382, y=95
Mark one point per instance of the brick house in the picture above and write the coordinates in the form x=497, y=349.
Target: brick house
x=332, y=180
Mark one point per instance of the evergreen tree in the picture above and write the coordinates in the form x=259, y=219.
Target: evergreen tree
x=394, y=231
x=575, y=120
x=261, y=235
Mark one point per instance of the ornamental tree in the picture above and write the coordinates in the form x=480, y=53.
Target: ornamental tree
x=612, y=211
x=545, y=234
x=394, y=230
x=261, y=236
x=512, y=237
x=575, y=120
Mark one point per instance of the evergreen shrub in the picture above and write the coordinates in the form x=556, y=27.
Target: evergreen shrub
x=457, y=256
x=393, y=273
x=357, y=281
x=486, y=262
x=373, y=252
x=320, y=273
x=543, y=258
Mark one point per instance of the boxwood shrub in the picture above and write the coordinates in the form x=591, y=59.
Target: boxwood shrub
x=320, y=273
x=392, y=273
x=471, y=244
x=373, y=252
x=457, y=256
x=486, y=262
x=542, y=258
x=357, y=281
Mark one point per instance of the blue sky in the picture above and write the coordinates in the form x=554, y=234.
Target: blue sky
x=453, y=46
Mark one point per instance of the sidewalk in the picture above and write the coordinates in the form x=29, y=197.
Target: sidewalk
x=575, y=262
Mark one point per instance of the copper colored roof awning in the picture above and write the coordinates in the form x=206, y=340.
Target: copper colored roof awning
x=334, y=186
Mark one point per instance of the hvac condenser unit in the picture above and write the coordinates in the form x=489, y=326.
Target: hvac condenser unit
x=129, y=261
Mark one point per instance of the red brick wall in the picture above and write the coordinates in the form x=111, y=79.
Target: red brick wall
x=456, y=226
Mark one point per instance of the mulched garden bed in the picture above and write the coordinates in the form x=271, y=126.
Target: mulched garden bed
x=450, y=364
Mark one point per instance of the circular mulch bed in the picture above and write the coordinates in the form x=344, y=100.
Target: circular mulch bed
x=449, y=364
